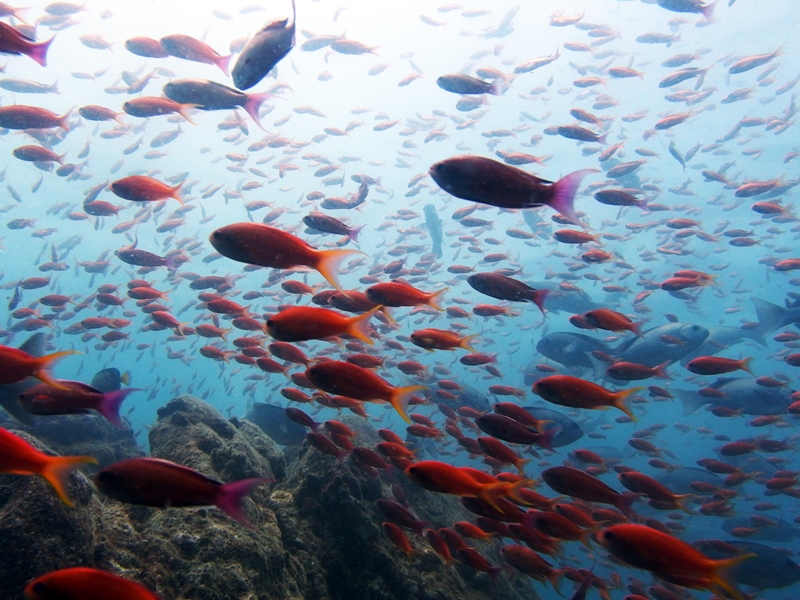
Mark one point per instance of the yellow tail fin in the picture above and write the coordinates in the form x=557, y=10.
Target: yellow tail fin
x=358, y=326
x=43, y=362
x=400, y=398
x=328, y=262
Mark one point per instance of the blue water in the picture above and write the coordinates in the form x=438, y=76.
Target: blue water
x=338, y=85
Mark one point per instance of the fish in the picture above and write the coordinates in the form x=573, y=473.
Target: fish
x=670, y=558
x=12, y=41
x=20, y=458
x=434, y=224
x=139, y=188
x=16, y=365
x=210, y=95
x=274, y=421
x=502, y=287
x=573, y=392
x=650, y=350
x=689, y=6
x=189, y=48
x=86, y=583
x=769, y=568
x=352, y=381
x=488, y=181
x=266, y=246
x=458, y=83
x=9, y=393
x=74, y=398
x=569, y=349
x=739, y=393
x=300, y=323
x=164, y=484
x=264, y=51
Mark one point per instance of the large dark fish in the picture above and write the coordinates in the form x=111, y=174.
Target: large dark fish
x=680, y=481
x=569, y=349
x=739, y=393
x=109, y=380
x=264, y=50
x=210, y=95
x=688, y=6
x=769, y=568
x=273, y=421
x=434, y=224
x=651, y=349
x=772, y=317
x=35, y=346
x=488, y=181
x=719, y=338
x=459, y=83
x=781, y=532
x=568, y=430
x=468, y=396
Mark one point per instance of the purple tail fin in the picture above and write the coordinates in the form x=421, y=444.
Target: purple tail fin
x=110, y=404
x=231, y=496
x=253, y=103
x=38, y=52
x=564, y=191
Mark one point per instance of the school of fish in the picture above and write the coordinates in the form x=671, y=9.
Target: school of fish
x=572, y=286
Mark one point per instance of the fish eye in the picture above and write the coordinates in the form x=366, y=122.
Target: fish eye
x=608, y=535
x=39, y=587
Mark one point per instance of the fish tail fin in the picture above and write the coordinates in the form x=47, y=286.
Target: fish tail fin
x=57, y=470
x=43, y=362
x=222, y=62
x=39, y=51
x=562, y=198
x=602, y=139
x=708, y=11
x=231, y=496
x=353, y=233
x=620, y=401
x=175, y=192
x=770, y=316
x=125, y=378
x=328, y=262
x=183, y=111
x=723, y=574
x=555, y=576
x=63, y=121
x=684, y=499
x=744, y=365
x=637, y=328
x=661, y=370
x=546, y=439
x=514, y=489
x=433, y=299
x=253, y=103
x=466, y=342
x=401, y=397
x=625, y=502
x=538, y=297
x=691, y=401
x=359, y=327
x=110, y=404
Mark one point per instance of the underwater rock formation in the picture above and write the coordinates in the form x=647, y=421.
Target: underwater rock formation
x=317, y=532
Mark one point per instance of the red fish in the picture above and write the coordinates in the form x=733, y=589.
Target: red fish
x=610, y=320
x=440, y=477
x=85, y=584
x=670, y=558
x=352, y=381
x=14, y=42
x=17, y=365
x=491, y=182
x=144, y=189
x=299, y=323
x=20, y=458
x=258, y=244
x=19, y=116
x=440, y=339
x=75, y=397
x=161, y=483
x=566, y=390
x=398, y=293
x=716, y=365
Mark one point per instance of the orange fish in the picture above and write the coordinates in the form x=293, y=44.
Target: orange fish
x=144, y=189
x=259, y=244
x=352, y=381
x=396, y=293
x=86, y=584
x=440, y=339
x=715, y=365
x=610, y=320
x=299, y=323
x=151, y=106
x=441, y=477
x=17, y=365
x=670, y=558
x=566, y=390
x=20, y=458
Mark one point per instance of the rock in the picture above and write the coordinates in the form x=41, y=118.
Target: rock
x=316, y=536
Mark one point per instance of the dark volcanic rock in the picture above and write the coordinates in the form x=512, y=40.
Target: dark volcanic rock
x=316, y=536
